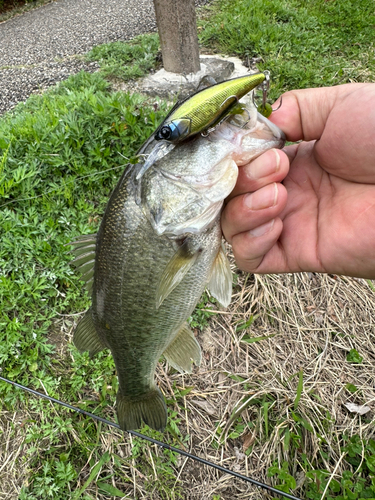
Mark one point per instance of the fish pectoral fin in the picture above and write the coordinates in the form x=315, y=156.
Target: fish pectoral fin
x=149, y=408
x=183, y=350
x=220, y=284
x=176, y=269
x=85, y=336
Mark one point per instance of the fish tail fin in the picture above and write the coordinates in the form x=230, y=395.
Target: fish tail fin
x=150, y=409
x=85, y=336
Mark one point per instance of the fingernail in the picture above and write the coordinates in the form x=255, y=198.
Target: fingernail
x=263, y=198
x=263, y=166
x=263, y=229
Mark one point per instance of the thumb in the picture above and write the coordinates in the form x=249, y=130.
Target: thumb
x=304, y=113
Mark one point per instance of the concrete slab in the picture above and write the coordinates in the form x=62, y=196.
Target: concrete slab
x=168, y=85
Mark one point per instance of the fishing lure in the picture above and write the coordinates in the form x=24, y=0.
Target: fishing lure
x=206, y=108
x=199, y=113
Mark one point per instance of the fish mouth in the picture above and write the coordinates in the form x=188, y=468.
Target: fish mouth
x=255, y=138
x=278, y=134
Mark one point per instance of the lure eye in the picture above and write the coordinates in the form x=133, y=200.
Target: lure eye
x=165, y=133
x=175, y=131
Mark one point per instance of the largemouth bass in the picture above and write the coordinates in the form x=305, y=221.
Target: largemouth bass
x=159, y=245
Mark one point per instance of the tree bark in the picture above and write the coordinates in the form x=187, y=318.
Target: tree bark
x=177, y=28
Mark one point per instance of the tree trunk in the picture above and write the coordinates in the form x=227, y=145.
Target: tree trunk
x=178, y=35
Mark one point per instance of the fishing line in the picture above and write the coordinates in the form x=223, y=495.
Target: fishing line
x=154, y=441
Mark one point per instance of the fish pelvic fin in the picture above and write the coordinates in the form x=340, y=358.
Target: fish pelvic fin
x=150, y=409
x=220, y=284
x=85, y=336
x=183, y=350
x=176, y=269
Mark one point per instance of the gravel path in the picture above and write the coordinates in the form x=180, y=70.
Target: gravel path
x=37, y=49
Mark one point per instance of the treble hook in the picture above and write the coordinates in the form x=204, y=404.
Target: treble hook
x=248, y=118
x=265, y=88
x=265, y=108
x=279, y=106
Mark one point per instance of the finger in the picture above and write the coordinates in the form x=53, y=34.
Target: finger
x=304, y=113
x=248, y=211
x=272, y=166
x=251, y=247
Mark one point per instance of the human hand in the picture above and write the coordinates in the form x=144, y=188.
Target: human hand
x=322, y=218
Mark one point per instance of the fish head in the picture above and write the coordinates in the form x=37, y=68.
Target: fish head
x=183, y=192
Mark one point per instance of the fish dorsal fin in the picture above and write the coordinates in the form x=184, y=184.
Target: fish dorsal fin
x=85, y=336
x=220, y=284
x=84, y=252
x=183, y=350
x=176, y=269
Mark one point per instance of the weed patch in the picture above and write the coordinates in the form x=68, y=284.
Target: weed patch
x=127, y=60
x=304, y=44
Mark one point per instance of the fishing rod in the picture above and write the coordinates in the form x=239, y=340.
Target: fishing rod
x=155, y=441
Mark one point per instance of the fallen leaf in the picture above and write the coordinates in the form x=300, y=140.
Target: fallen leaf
x=239, y=454
x=353, y=408
x=248, y=441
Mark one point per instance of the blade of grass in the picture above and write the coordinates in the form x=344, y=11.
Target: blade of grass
x=251, y=340
x=95, y=471
x=265, y=414
x=299, y=389
x=111, y=490
x=246, y=324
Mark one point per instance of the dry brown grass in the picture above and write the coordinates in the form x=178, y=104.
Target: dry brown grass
x=12, y=467
x=311, y=323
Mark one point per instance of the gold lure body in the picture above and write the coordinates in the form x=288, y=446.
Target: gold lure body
x=206, y=108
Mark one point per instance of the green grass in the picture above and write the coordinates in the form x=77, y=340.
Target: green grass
x=60, y=156
x=310, y=43
x=127, y=60
x=360, y=454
